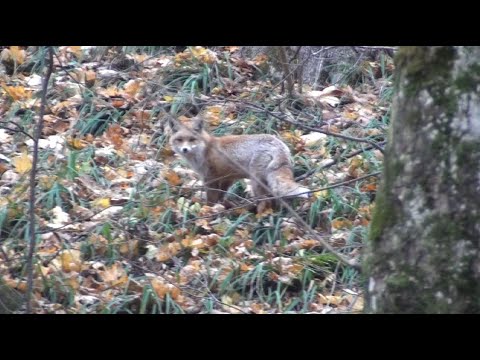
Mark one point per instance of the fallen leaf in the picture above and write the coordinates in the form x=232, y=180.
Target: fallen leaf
x=17, y=54
x=22, y=163
x=341, y=223
x=162, y=289
x=17, y=92
x=172, y=178
x=75, y=50
x=369, y=187
x=114, y=275
x=102, y=203
x=59, y=219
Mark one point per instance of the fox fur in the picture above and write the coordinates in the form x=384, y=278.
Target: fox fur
x=221, y=161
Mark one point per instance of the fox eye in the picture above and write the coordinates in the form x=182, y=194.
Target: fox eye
x=179, y=140
x=192, y=139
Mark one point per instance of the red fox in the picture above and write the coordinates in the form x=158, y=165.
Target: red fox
x=221, y=161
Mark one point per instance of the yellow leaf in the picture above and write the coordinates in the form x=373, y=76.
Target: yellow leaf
x=330, y=299
x=166, y=252
x=71, y=260
x=73, y=282
x=214, y=109
x=132, y=87
x=102, y=202
x=204, y=55
x=227, y=300
x=341, y=223
x=17, y=92
x=358, y=305
x=161, y=288
x=265, y=212
x=114, y=275
x=22, y=163
x=17, y=54
x=168, y=99
x=76, y=143
x=198, y=51
x=75, y=50
x=320, y=194
x=244, y=267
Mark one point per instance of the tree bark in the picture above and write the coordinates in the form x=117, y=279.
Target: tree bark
x=423, y=254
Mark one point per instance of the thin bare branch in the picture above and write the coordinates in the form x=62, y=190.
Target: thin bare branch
x=18, y=130
x=283, y=117
x=33, y=173
x=334, y=161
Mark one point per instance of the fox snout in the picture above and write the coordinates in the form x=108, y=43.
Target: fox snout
x=184, y=149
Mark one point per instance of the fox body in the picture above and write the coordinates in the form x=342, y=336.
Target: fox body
x=220, y=161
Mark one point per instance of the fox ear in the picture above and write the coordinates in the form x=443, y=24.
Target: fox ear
x=173, y=123
x=197, y=123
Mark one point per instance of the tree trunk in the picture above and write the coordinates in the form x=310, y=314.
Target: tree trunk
x=423, y=254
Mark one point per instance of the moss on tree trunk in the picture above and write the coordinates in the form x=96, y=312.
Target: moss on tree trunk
x=423, y=254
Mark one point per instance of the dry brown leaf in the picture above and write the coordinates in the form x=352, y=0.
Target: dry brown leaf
x=166, y=252
x=341, y=223
x=162, y=289
x=3, y=168
x=172, y=178
x=114, y=275
x=114, y=133
x=245, y=267
x=369, y=187
x=118, y=102
x=129, y=248
x=232, y=49
x=20, y=285
x=132, y=88
x=308, y=243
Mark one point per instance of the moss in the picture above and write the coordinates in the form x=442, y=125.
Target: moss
x=10, y=299
x=381, y=217
x=430, y=69
x=429, y=265
x=468, y=154
x=469, y=79
x=384, y=213
x=425, y=67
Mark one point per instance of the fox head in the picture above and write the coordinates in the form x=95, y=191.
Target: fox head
x=188, y=138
